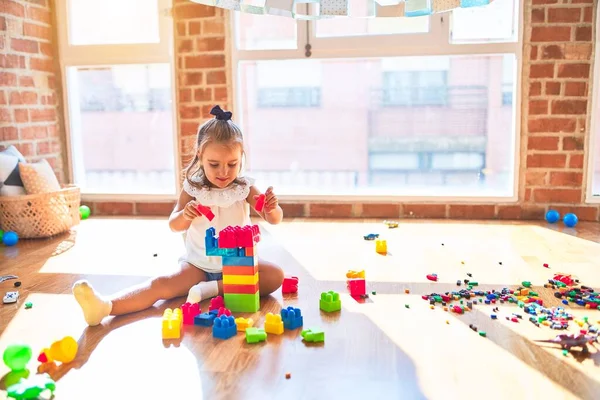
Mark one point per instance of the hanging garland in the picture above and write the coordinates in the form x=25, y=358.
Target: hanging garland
x=339, y=8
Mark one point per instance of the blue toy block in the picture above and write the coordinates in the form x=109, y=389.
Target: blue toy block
x=205, y=319
x=212, y=246
x=473, y=3
x=292, y=318
x=214, y=312
x=224, y=327
x=239, y=261
x=417, y=8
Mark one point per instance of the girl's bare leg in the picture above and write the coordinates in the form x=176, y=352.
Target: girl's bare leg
x=95, y=307
x=270, y=277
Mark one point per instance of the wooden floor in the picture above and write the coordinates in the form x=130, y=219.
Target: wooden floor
x=373, y=349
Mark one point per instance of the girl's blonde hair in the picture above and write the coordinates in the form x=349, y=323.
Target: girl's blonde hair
x=217, y=130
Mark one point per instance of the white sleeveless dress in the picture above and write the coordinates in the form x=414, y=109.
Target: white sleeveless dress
x=230, y=208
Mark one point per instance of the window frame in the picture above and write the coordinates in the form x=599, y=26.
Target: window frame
x=594, y=124
x=115, y=54
x=435, y=43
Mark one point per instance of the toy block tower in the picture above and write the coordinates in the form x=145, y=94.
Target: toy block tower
x=237, y=246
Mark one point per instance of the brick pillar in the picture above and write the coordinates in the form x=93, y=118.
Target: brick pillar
x=201, y=66
x=30, y=115
x=557, y=70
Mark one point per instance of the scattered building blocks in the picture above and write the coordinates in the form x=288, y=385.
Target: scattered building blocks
x=240, y=261
x=292, y=318
x=223, y=311
x=290, y=285
x=273, y=324
x=206, y=211
x=381, y=246
x=243, y=323
x=357, y=287
x=243, y=302
x=371, y=236
x=391, y=224
x=171, y=323
x=260, y=202
x=330, y=301
x=224, y=327
x=255, y=335
x=355, y=274
x=190, y=311
x=432, y=277
x=31, y=387
x=241, y=289
x=205, y=319
x=313, y=335
x=216, y=303
x=63, y=350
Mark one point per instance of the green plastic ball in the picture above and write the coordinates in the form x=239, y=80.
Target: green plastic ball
x=16, y=356
x=1, y=234
x=84, y=212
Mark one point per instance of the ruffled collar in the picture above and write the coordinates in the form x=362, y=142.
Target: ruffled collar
x=220, y=197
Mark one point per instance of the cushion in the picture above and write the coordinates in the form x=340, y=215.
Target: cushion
x=38, y=177
x=10, y=179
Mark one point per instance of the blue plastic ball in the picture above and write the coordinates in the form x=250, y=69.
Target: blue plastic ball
x=10, y=238
x=552, y=216
x=570, y=220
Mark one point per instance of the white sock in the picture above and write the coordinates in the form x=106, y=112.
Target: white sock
x=203, y=291
x=94, y=306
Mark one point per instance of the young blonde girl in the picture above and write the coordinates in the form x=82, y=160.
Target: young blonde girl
x=212, y=179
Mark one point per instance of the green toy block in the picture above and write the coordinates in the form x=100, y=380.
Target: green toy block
x=255, y=335
x=330, y=301
x=242, y=302
x=313, y=335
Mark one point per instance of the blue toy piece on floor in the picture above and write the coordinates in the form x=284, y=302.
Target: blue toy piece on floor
x=552, y=216
x=224, y=327
x=292, y=318
x=570, y=220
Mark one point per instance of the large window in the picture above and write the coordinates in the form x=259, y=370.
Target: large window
x=119, y=95
x=594, y=143
x=381, y=107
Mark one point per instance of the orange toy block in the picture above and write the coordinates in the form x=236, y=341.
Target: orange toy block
x=171, y=323
x=273, y=324
x=240, y=270
x=243, y=323
x=249, y=251
x=355, y=274
x=240, y=289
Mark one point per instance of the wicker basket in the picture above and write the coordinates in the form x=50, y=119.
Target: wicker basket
x=40, y=215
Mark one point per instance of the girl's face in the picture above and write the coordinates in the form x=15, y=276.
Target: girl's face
x=221, y=163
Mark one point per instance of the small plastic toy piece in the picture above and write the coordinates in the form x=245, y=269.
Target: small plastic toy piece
x=206, y=211
x=313, y=335
x=292, y=318
x=205, y=319
x=260, y=202
x=31, y=388
x=216, y=303
x=288, y=375
x=224, y=327
x=552, y=216
x=273, y=324
x=330, y=301
x=290, y=285
x=171, y=324
x=190, y=311
x=16, y=356
x=223, y=311
x=355, y=274
x=570, y=220
x=255, y=335
x=357, y=287
x=63, y=351
x=371, y=236
x=28, y=305
x=10, y=297
x=391, y=224
x=381, y=246
x=7, y=277
x=432, y=277
x=243, y=323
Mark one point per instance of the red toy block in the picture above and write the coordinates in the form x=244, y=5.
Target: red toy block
x=260, y=203
x=206, y=211
x=224, y=311
x=357, y=287
x=240, y=289
x=240, y=270
x=189, y=311
x=432, y=277
x=290, y=285
x=216, y=303
x=249, y=251
x=237, y=236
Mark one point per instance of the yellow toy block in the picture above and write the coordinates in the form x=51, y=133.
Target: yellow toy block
x=355, y=274
x=243, y=323
x=240, y=279
x=171, y=323
x=381, y=246
x=273, y=324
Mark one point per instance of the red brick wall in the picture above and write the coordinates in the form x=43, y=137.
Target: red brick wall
x=30, y=114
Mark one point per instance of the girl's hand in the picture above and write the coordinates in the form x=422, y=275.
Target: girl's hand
x=190, y=211
x=271, y=201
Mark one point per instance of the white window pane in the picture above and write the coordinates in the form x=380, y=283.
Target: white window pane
x=331, y=135
x=264, y=32
x=494, y=22
x=93, y=22
x=596, y=150
x=122, y=128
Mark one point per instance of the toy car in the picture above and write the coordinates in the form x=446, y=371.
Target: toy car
x=371, y=236
x=10, y=297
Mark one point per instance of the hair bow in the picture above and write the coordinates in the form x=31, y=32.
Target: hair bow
x=220, y=114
